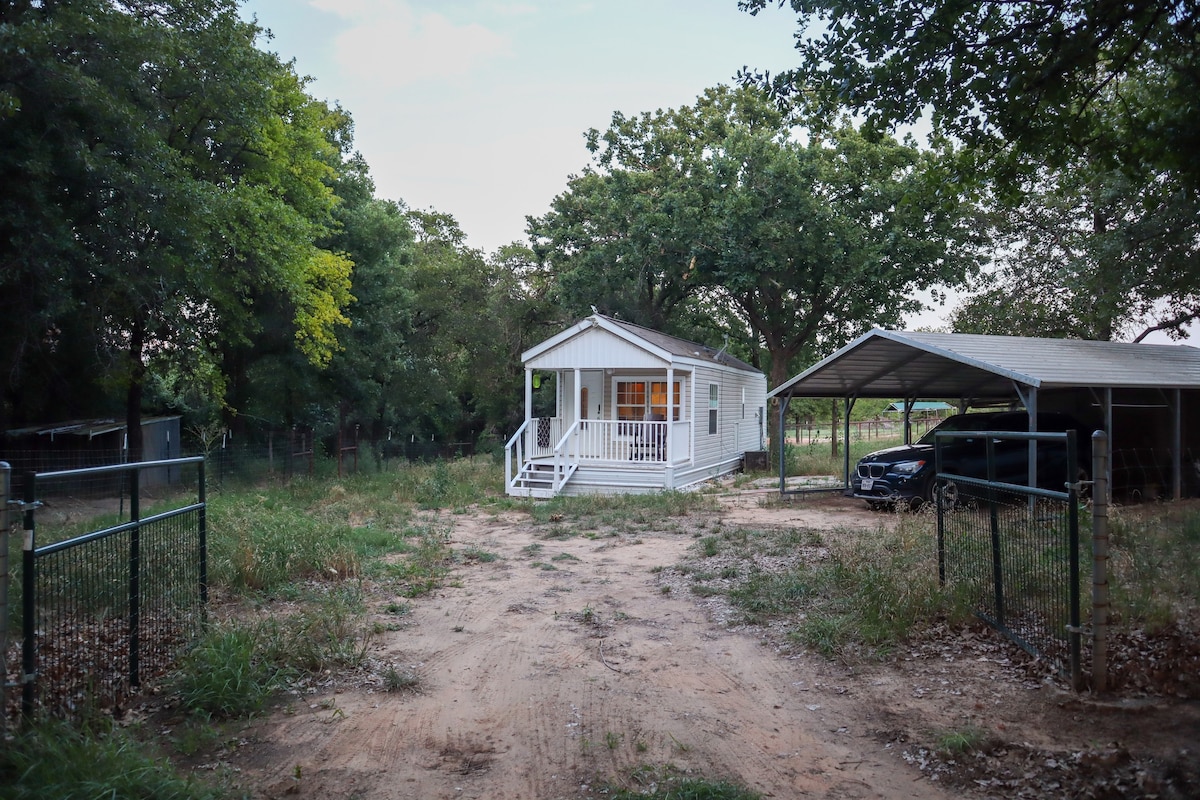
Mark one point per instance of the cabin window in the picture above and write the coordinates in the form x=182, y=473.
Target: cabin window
x=641, y=400
x=714, y=402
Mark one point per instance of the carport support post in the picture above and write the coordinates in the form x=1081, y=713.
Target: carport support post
x=849, y=406
x=784, y=402
x=1100, y=561
x=1177, y=442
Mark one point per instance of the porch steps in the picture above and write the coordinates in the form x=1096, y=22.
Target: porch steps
x=537, y=480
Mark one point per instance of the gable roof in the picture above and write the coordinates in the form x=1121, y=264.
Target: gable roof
x=665, y=347
x=888, y=364
x=682, y=347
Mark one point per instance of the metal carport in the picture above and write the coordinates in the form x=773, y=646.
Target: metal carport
x=973, y=370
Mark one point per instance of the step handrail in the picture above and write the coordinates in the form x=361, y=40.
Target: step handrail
x=562, y=461
x=517, y=441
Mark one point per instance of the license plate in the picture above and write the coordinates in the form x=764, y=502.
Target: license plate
x=867, y=484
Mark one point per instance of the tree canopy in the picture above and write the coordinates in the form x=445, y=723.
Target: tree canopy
x=997, y=74
x=1078, y=116
x=801, y=231
x=162, y=174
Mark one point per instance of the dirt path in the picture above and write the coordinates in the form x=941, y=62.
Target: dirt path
x=550, y=665
x=563, y=662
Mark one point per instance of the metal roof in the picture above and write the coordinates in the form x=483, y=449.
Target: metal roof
x=682, y=347
x=976, y=367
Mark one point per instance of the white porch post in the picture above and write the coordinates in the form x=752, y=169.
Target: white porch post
x=578, y=395
x=528, y=394
x=670, y=415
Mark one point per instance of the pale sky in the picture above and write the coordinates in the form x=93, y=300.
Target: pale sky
x=477, y=108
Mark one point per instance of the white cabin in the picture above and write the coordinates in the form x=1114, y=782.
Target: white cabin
x=618, y=428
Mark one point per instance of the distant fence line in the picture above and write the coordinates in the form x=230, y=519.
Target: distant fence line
x=270, y=455
x=860, y=430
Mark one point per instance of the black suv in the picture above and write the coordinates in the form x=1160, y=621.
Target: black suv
x=904, y=474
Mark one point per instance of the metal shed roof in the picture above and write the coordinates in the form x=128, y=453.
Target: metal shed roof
x=889, y=364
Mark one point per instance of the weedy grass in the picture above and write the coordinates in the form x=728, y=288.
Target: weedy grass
x=959, y=741
x=226, y=675
x=817, y=458
x=53, y=759
x=621, y=512
x=425, y=560
x=237, y=667
x=401, y=679
x=1154, y=566
x=665, y=783
x=265, y=538
x=866, y=592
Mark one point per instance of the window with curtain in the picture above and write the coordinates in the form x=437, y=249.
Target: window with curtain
x=638, y=399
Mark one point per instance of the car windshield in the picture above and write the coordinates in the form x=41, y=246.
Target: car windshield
x=961, y=422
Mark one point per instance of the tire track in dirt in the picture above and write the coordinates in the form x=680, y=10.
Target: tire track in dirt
x=538, y=682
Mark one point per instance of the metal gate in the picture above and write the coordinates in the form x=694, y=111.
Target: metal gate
x=104, y=610
x=1013, y=548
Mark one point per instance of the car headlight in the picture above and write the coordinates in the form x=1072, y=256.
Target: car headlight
x=907, y=467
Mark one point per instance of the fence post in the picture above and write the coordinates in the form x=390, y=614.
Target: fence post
x=135, y=569
x=1073, y=631
x=203, y=522
x=28, y=596
x=1100, y=561
x=5, y=486
x=994, y=526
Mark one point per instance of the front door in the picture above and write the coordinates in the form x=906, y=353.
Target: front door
x=591, y=402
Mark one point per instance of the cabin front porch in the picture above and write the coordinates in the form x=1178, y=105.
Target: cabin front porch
x=547, y=452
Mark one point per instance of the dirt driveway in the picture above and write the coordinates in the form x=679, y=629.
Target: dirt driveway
x=549, y=665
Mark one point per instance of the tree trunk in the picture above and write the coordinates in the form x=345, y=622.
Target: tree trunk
x=775, y=433
x=134, y=391
x=833, y=426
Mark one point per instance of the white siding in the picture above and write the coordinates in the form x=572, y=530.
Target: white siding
x=596, y=349
x=721, y=451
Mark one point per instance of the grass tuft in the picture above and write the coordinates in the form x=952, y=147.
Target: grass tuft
x=52, y=759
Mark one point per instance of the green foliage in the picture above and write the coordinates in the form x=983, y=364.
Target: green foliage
x=960, y=741
x=1036, y=87
x=1098, y=222
x=264, y=539
x=264, y=542
x=52, y=759
x=328, y=632
x=796, y=231
x=1093, y=252
x=169, y=179
x=227, y=675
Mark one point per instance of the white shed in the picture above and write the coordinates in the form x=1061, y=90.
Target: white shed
x=635, y=410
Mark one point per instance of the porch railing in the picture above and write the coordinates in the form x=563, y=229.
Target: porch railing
x=611, y=440
x=566, y=443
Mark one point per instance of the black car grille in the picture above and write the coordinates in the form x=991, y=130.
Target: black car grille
x=871, y=470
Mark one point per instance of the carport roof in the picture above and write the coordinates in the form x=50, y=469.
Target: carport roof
x=976, y=367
